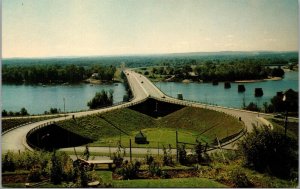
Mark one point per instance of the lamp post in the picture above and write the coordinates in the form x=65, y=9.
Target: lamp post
x=286, y=114
x=64, y=104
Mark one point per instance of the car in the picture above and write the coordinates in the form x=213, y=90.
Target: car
x=163, y=97
x=278, y=116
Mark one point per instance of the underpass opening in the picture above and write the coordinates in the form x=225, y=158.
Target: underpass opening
x=53, y=137
x=156, y=108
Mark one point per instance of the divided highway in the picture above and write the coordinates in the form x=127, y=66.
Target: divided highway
x=142, y=88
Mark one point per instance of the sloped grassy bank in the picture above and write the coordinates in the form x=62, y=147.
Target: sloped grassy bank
x=191, y=123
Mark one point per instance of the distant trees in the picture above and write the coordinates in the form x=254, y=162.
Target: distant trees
x=232, y=71
x=55, y=73
x=22, y=112
x=101, y=99
x=213, y=70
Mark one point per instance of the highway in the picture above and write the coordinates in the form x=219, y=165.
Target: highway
x=142, y=88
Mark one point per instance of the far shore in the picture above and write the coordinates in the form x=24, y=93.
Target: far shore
x=259, y=80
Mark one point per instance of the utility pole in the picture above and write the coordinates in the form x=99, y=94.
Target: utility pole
x=130, y=154
x=177, y=145
x=64, y=104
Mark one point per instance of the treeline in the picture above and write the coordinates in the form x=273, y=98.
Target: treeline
x=55, y=73
x=177, y=59
x=22, y=112
x=235, y=71
x=210, y=71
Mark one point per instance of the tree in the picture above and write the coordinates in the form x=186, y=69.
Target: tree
x=252, y=107
x=23, y=112
x=53, y=110
x=101, y=99
x=267, y=150
x=4, y=113
x=56, y=170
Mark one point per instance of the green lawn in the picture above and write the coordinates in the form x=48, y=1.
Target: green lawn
x=168, y=183
x=190, y=123
x=159, y=183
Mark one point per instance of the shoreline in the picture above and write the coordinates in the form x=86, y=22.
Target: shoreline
x=259, y=80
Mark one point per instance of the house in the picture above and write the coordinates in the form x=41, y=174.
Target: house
x=95, y=75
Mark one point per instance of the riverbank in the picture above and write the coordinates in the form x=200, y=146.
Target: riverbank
x=259, y=80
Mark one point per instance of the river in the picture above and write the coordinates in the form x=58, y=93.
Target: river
x=207, y=93
x=37, y=99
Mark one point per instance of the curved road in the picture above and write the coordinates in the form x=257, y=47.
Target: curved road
x=141, y=88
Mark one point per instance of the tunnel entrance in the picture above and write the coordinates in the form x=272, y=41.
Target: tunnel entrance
x=53, y=137
x=155, y=108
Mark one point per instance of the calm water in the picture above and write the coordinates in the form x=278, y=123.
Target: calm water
x=206, y=92
x=37, y=99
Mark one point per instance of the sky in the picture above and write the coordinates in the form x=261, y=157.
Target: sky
x=50, y=28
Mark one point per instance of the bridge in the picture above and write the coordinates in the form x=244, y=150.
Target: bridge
x=142, y=88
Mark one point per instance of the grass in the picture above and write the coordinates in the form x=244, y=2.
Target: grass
x=190, y=122
x=292, y=127
x=168, y=183
x=159, y=183
x=13, y=122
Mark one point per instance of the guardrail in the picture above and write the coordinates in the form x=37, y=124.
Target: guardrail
x=18, y=126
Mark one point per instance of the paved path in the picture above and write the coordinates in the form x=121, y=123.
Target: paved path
x=141, y=88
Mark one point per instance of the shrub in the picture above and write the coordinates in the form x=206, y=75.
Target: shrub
x=56, y=170
x=149, y=158
x=101, y=99
x=182, y=154
x=8, y=162
x=267, y=150
x=34, y=174
x=129, y=170
x=167, y=157
x=154, y=169
x=240, y=179
x=118, y=159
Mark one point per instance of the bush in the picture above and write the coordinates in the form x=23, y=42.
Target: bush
x=267, y=150
x=154, y=169
x=149, y=158
x=8, y=162
x=182, y=155
x=240, y=179
x=101, y=99
x=35, y=174
x=129, y=170
x=56, y=170
x=167, y=157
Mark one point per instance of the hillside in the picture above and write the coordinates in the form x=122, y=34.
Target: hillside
x=191, y=123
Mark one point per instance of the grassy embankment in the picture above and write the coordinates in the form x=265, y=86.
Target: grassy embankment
x=292, y=127
x=13, y=122
x=190, y=123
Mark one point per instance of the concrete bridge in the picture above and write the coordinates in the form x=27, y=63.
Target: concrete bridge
x=142, y=88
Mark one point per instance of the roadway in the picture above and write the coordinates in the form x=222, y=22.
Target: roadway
x=142, y=88
x=15, y=140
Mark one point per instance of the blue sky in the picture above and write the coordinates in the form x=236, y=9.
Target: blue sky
x=45, y=28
